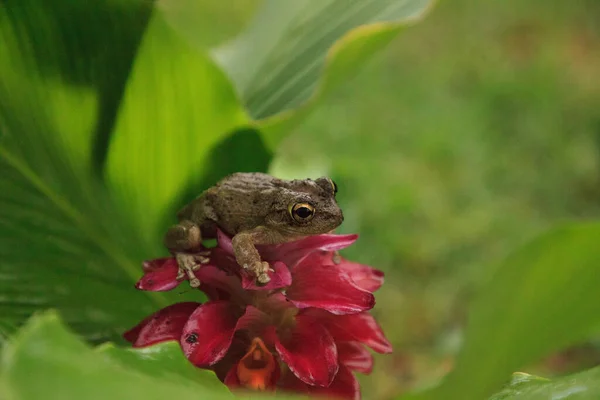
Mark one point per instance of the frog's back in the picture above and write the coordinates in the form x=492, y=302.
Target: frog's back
x=248, y=183
x=241, y=201
x=237, y=202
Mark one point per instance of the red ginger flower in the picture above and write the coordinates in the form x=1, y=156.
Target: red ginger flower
x=304, y=331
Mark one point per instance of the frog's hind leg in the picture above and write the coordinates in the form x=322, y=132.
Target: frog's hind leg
x=180, y=239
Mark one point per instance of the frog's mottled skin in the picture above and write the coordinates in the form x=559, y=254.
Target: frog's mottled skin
x=253, y=208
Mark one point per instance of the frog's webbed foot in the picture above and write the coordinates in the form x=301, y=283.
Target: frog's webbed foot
x=260, y=269
x=188, y=263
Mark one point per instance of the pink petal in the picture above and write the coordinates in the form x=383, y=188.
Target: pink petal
x=355, y=356
x=344, y=386
x=292, y=253
x=166, y=324
x=327, y=287
x=224, y=242
x=215, y=283
x=364, y=277
x=209, y=332
x=309, y=352
x=161, y=275
x=158, y=263
x=360, y=327
x=279, y=279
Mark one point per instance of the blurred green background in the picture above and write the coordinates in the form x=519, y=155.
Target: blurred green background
x=473, y=132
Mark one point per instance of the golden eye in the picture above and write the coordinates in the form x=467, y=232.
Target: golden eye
x=302, y=212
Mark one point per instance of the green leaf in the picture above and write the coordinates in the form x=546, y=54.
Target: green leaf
x=164, y=360
x=53, y=65
x=581, y=386
x=45, y=360
x=277, y=63
x=178, y=105
x=63, y=243
x=542, y=299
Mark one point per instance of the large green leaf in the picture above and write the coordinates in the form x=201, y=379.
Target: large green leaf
x=67, y=61
x=543, y=298
x=46, y=361
x=62, y=242
x=278, y=61
x=582, y=386
x=163, y=360
x=177, y=106
x=65, y=241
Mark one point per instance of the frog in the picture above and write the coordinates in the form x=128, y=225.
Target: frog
x=252, y=208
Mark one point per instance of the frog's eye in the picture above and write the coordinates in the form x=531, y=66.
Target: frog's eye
x=302, y=212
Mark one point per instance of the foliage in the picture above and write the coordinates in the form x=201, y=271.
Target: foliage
x=91, y=186
x=540, y=300
x=113, y=114
x=60, y=364
x=584, y=385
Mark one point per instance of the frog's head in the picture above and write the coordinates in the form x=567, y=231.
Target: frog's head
x=308, y=207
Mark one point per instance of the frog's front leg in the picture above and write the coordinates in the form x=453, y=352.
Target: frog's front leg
x=246, y=254
x=183, y=237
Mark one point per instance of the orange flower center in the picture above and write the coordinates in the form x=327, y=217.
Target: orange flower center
x=255, y=369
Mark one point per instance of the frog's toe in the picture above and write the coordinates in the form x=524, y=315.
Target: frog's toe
x=201, y=258
x=187, y=265
x=337, y=258
x=260, y=269
x=263, y=279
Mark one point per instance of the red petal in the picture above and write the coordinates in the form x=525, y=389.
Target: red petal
x=291, y=383
x=309, y=352
x=166, y=324
x=279, y=279
x=209, y=331
x=158, y=263
x=364, y=277
x=225, y=261
x=276, y=303
x=212, y=277
x=231, y=379
x=254, y=321
x=237, y=350
x=360, y=328
x=291, y=253
x=344, y=386
x=161, y=275
x=224, y=242
x=224, y=258
x=327, y=287
x=355, y=356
